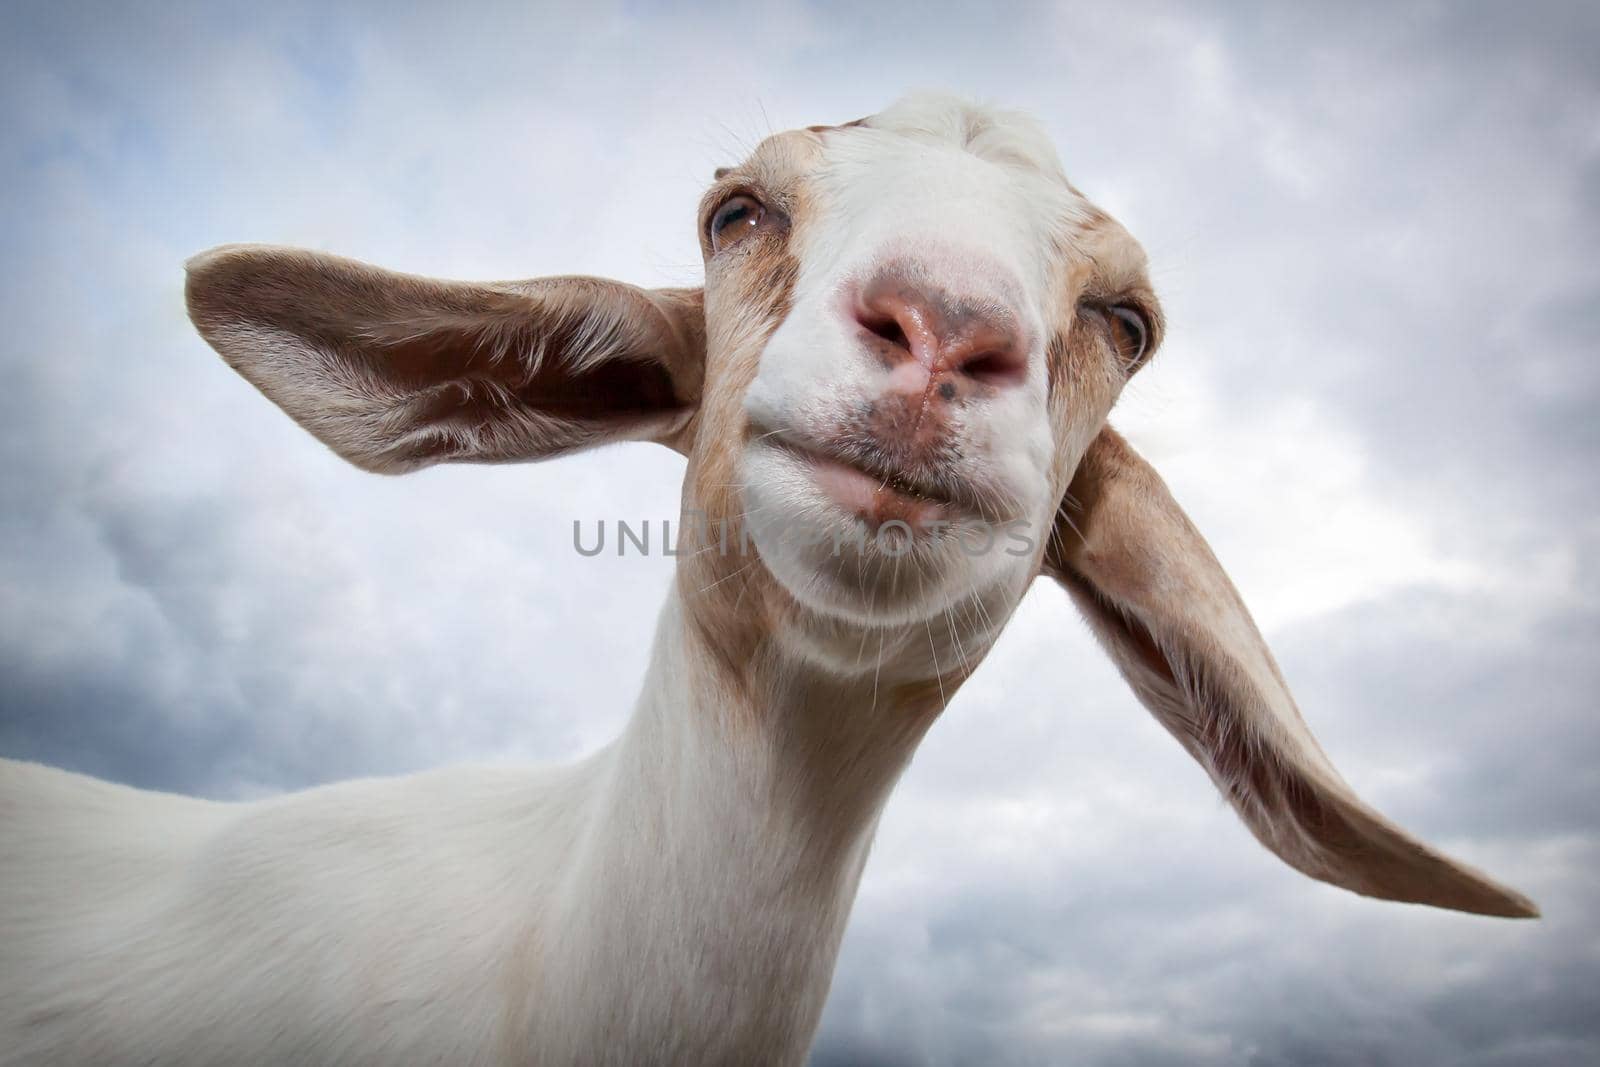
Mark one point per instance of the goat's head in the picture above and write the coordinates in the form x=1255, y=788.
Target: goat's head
x=894, y=384
x=915, y=327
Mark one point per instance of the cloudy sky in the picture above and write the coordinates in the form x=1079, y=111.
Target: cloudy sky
x=1374, y=230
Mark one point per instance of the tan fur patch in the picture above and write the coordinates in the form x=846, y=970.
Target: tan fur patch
x=729, y=596
x=396, y=372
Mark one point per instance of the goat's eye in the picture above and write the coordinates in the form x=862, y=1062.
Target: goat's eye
x=1130, y=334
x=736, y=219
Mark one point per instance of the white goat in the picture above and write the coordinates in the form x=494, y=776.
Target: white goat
x=911, y=332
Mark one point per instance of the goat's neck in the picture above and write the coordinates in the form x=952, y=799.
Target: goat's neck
x=728, y=837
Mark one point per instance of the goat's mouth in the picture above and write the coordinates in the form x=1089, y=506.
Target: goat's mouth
x=859, y=479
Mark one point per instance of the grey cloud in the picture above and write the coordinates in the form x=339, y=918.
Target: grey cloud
x=1518, y=701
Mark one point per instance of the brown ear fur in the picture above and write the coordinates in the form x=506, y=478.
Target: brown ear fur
x=396, y=372
x=1164, y=609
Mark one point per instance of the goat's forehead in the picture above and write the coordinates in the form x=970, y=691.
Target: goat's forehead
x=951, y=163
x=1006, y=138
x=938, y=132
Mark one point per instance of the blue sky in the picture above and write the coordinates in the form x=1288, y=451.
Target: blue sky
x=1373, y=231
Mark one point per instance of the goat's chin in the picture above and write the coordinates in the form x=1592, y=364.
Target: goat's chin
x=863, y=583
x=872, y=590
x=894, y=573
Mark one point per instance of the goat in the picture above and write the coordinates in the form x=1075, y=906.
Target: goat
x=911, y=332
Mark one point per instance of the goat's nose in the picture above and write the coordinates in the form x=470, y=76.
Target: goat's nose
x=925, y=335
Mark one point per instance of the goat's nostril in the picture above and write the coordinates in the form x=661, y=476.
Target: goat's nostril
x=888, y=328
x=912, y=326
x=1003, y=366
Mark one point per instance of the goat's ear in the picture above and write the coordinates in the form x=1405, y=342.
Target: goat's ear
x=396, y=372
x=1168, y=615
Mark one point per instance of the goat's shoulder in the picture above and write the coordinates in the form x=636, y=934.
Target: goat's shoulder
x=138, y=904
x=68, y=840
x=490, y=824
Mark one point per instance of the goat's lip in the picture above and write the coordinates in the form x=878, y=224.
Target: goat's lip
x=872, y=490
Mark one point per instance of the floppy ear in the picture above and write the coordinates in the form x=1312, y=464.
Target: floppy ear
x=1163, y=608
x=396, y=372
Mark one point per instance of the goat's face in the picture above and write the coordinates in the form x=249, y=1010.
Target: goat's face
x=915, y=327
x=911, y=329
